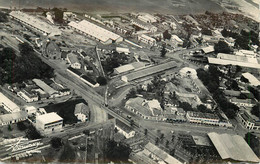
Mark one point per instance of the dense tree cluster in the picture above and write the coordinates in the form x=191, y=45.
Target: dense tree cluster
x=211, y=80
x=254, y=142
x=185, y=106
x=242, y=40
x=166, y=35
x=32, y=133
x=222, y=47
x=163, y=50
x=117, y=152
x=20, y=68
x=58, y=15
x=114, y=60
x=102, y=80
x=256, y=110
x=56, y=142
x=255, y=92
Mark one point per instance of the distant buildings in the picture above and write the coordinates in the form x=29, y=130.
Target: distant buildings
x=94, y=31
x=144, y=25
x=148, y=18
x=152, y=154
x=35, y=23
x=49, y=123
x=7, y=104
x=82, y=112
x=127, y=131
x=73, y=61
x=146, y=39
x=14, y=117
x=248, y=121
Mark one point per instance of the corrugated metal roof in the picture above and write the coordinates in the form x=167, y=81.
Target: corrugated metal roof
x=233, y=147
x=44, y=86
x=251, y=78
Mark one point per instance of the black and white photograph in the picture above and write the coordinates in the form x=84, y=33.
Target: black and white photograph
x=129, y=81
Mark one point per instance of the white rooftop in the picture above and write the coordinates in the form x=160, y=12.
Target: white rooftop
x=124, y=68
x=44, y=86
x=94, y=30
x=35, y=22
x=232, y=62
x=208, y=49
x=233, y=147
x=147, y=37
x=251, y=78
x=48, y=118
x=7, y=102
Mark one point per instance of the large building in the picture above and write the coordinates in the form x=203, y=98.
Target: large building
x=96, y=32
x=148, y=18
x=204, y=118
x=148, y=71
x=7, y=104
x=156, y=155
x=13, y=117
x=233, y=147
x=248, y=121
x=45, y=87
x=49, y=123
x=28, y=96
x=129, y=67
x=243, y=102
x=35, y=23
x=146, y=39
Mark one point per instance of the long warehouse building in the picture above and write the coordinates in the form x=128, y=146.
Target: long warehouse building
x=96, y=32
x=148, y=71
x=35, y=23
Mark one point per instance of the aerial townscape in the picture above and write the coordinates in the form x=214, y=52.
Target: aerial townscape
x=133, y=87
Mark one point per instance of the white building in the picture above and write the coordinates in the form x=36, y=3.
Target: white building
x=208, y=50
x=95, y=32
x=35, y=23
x=203, y=118
x=14, y=117
x=7, y=104
x=124, y=50
x=49, y=123
x=175, y=38
x=124, y=129
x=30, y=110
x=251, y=78
x=82, y=112
x=73, y=61
x=146, y=39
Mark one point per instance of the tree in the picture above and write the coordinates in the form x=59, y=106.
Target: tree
x=162, y=136
x=167, y=143
x=131, y=94
x=163, y=50
x=56, y=142
x=202, y=108
x=185, y=106
x=256, y=110
x=167, y=35
x=156, y=141
x=3, y=17
x=102, y=80
x=10, y=128
x=145, y=131
x=132, y=122
x=117, y=152
x=86, y=132
x=25, y=48
x=222, y=47
x=68, y=154
x=32, y=133
x=21, y=126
